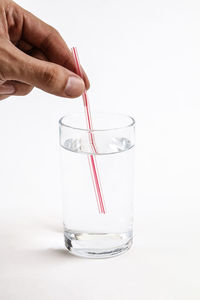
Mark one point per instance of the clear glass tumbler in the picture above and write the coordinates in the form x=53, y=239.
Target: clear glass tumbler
x=87, y=232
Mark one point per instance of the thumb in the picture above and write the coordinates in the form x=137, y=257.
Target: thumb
x=50, y=77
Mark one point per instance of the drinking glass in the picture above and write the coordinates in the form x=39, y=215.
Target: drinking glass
x=87, y=231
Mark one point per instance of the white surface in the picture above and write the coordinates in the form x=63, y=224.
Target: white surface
x=143, y=58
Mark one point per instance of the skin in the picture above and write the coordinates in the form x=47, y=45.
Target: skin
x=33, y=54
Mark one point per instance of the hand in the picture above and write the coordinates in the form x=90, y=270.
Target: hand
x=33, y=54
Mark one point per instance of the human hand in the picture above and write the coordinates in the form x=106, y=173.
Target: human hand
x=33, y=54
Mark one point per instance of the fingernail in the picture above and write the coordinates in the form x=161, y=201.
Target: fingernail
x=75, y=86
x=7, y=89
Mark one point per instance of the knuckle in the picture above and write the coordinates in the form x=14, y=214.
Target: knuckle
x=53, y=31
x=46, y=43
x=49, y=75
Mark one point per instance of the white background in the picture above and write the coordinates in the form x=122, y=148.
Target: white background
x=142, y=58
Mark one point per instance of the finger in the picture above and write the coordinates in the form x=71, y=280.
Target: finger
x=21, y=89
x=14, y=88
x=47, y=76
x=46, y=38
x=7, y=89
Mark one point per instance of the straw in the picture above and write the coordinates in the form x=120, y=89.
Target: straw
x=91, y=158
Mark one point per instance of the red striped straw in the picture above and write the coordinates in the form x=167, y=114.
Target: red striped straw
x=91, y=158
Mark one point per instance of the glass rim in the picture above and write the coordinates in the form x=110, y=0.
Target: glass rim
x=132, y=122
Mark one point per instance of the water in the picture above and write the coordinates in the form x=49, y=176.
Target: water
x=88, y=233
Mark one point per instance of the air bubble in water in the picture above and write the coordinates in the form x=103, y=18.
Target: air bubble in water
x=73, y=145
x=120, y=144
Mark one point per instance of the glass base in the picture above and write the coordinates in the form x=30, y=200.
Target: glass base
x=97, y=245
